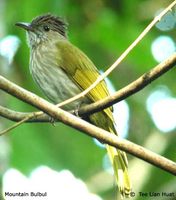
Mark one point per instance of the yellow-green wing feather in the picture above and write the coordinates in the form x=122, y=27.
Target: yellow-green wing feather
x=83, y=73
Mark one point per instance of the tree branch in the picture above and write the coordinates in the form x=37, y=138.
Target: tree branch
x=132, y=88
x=125, y=92
x=86, y=127
x=18, y=116
x=122, y=57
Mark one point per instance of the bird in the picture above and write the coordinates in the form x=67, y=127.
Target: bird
x=62, y=70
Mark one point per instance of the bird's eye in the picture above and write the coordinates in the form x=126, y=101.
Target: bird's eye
x=46, y=28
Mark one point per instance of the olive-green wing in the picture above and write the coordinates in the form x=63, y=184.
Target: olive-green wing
x=82, y=71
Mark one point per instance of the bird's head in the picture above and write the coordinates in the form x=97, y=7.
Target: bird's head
x=44, y=28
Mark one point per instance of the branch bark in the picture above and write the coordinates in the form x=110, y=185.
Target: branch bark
x=125, y=92
x=87, y=128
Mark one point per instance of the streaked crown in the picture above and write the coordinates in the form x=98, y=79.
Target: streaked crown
x=43, y=28
x=48, y=22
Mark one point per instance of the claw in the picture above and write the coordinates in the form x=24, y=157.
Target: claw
x=77, y=109
x=52, y=120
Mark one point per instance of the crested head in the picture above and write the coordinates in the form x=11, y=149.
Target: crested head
x=44, y=28
x=51, y=22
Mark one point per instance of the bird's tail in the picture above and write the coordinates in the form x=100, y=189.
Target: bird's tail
x=118, y=158
x=120, y=164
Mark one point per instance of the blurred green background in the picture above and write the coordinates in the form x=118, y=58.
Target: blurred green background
x=103, y=29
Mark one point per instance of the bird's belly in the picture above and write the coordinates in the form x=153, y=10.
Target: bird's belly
x=56, y=85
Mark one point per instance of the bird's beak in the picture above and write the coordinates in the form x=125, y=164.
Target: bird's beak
x=26, y=26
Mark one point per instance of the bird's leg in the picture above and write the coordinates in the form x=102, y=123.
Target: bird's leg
x=75, y=112
x=52, y=120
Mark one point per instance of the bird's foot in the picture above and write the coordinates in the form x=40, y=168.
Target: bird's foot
x=52, y=120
